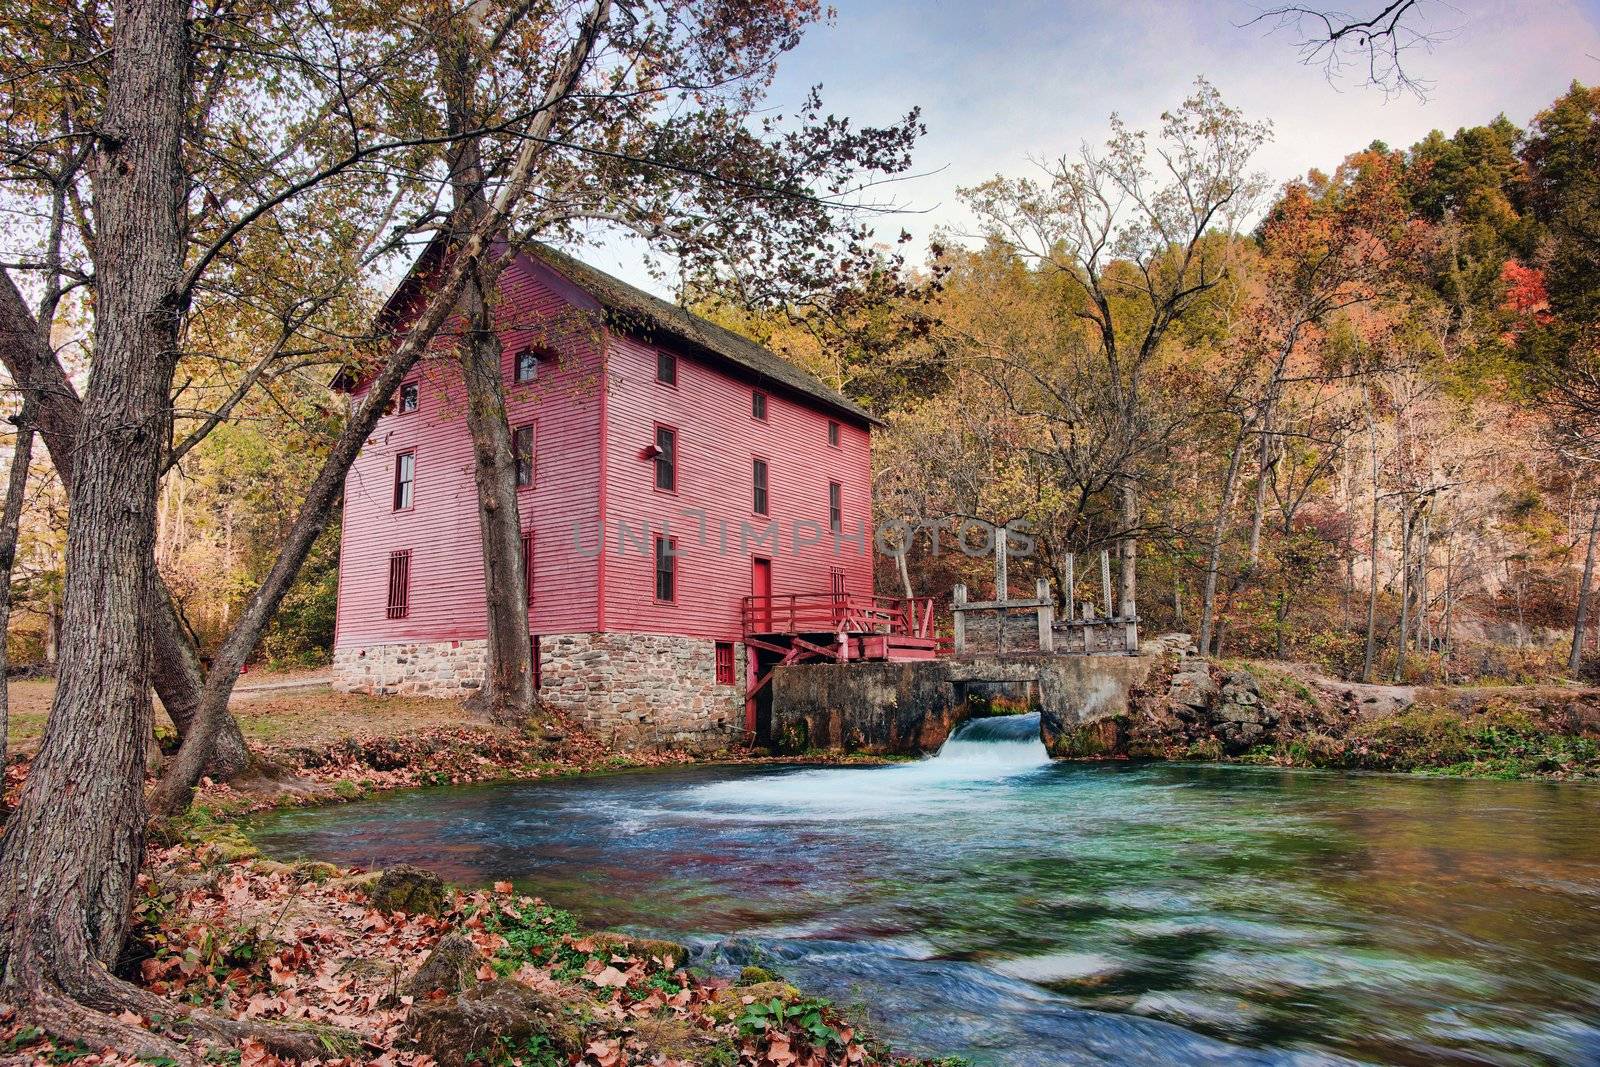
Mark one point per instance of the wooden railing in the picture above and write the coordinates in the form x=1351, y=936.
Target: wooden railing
x=802, y=613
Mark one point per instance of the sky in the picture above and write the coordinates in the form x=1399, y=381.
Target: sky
x=1005, y=82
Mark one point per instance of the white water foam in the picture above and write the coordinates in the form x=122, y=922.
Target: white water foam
x=979, y=754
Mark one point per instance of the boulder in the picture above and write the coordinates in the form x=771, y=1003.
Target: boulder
x=489, y=1018
x=1192, y=688
x=452, y=966
x=1241, y=681
x=409, y=889
x=642, y=947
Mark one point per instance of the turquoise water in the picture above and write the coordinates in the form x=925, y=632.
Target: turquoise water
x=991, y=904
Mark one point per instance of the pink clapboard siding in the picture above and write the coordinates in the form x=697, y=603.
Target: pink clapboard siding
x=717, y=441
x=595, y=408
x=441, y=529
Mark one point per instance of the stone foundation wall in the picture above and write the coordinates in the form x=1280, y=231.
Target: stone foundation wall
x=645, y=690
x=633, y=690
x=435, y=669
x=910, y=708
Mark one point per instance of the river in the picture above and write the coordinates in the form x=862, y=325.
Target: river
x=989, y=903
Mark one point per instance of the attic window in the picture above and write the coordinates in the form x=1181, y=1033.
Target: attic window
x=666, y=368
x=408, y=398
x=833, y=433
x=758, y=406
x=528, y=360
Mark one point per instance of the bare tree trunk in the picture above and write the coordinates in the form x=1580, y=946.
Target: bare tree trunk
x=508, y=692
x=1372, y=582
x=10, y=525
x=1128, y=553
x=1219, y=526
x=175, y=664
x=1405, y=588
x=1580, y=621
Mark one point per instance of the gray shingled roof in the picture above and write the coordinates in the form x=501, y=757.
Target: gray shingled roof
x=631, y=308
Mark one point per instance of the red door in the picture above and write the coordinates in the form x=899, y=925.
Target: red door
x=761, y=589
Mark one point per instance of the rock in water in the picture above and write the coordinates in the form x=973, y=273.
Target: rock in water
x=490, y=1018
x=452, y=966
x=408, y=889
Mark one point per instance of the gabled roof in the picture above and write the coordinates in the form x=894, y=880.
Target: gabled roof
x=633, y=310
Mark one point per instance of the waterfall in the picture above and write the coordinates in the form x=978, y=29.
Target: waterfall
x=981, y=747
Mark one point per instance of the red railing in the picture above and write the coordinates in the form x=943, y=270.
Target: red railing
x=802, y=613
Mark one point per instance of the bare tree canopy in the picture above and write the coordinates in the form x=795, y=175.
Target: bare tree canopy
x=1371, y=44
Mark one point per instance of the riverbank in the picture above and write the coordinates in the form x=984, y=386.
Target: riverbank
x=396, y=968
x=1286, y=714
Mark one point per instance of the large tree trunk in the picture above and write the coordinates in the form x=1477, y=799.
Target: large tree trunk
x=175, y=665
x=75, y=844
x=508, y=693
x=10, y=525
x=1580, y=620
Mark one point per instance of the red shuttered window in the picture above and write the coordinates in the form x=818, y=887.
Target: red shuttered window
x=725, y=663
x=399, y=584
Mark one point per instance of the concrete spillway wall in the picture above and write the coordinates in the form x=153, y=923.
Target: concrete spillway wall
x=910, y=708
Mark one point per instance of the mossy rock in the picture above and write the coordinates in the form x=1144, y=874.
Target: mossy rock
x=728, y=1004
x=452, y=966
x=414, y=890
x=316, y=870
x=642, y=947
x=672, y=1036
x=487, y=1018
x=752, y=975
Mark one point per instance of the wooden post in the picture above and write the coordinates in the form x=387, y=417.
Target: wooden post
x=1105, y=580
x=958, y=615
x=1072, y=590
x=1047, y=616
x=1002, y=575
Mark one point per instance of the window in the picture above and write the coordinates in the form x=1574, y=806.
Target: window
x=666, y=368
x=758, y=479
x=835, y=507
x=405, y=476
x=725, y=663
x=399, y=584
x=408, y=398
x=666, y=458
x=833, y=433
x=758, y=406
x=666, y=570
x=527, y=365
x=527, y=569
x=522, y=448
